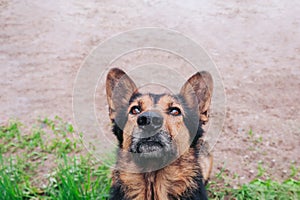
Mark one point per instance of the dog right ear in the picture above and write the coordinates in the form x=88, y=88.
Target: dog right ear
x=119, y=89
x=198, y=91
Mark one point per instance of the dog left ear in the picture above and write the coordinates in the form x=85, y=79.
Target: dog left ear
x=197, y=91
x=119, y=89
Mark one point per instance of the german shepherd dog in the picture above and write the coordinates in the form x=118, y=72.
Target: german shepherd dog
x=162, y=154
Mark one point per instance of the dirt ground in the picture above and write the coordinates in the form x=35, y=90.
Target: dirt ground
x=255, y=45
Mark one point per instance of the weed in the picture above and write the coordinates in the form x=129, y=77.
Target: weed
x=294, y=170
x=250, y=132
x=260, y=169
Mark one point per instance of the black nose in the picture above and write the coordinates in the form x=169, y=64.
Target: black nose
x=150, y=121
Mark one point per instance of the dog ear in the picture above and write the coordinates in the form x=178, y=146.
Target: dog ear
x=197, y=91
x=119, y=89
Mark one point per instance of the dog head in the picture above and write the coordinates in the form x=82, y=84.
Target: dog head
x=157, y=127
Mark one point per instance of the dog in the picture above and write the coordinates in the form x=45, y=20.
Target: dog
x=162, y=154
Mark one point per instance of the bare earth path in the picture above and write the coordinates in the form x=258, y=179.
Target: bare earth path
x=256, y=46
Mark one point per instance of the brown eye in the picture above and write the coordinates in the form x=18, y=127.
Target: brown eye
x=135, y=110
x=174, y=111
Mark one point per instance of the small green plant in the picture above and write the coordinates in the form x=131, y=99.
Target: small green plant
x=294, y=170
x=62, y=140
x=260, y=169
x=10, y=136
x=250, y=133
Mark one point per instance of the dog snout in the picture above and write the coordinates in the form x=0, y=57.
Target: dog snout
x=150, y=121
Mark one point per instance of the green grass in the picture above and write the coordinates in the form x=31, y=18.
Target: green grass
x=258, y=189
x=47, y=162
x=262, y=187
x=78, y=179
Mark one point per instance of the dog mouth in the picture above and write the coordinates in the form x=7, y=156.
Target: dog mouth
x=154, y=146
x=149, y=147
x=153, y=152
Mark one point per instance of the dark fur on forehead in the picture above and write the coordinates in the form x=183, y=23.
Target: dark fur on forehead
x=156, y=97
x=134, y=97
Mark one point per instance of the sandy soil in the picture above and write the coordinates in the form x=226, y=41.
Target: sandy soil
x=255, y=44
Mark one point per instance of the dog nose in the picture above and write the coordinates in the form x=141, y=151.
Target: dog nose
x=150, y=121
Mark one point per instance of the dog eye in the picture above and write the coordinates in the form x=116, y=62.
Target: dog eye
x=174, y=111
x=135, y=110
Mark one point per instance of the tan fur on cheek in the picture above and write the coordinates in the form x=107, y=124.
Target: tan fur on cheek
x=127, y=133
x=182, y=140
x=178, y=132
x=172, y=125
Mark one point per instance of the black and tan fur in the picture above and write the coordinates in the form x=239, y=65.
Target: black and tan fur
x=172, y=161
